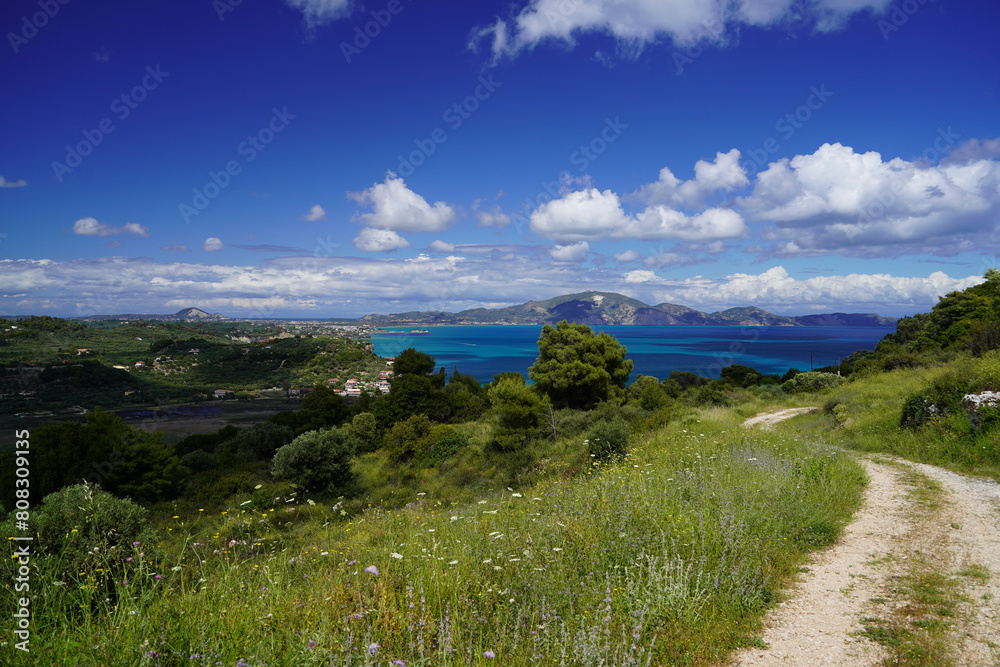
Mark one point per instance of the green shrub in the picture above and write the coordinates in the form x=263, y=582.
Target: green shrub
x=261, y=441
x=86, y=538
x=316, y=461
x=445, y=442
x=713, y=394
x=609, y=438
x=518, y=410
x=916, y=410
x=198, y=460
x=406, y=440
x=812, y=381
x=364, y=433
x=983, y=337
x=647, y=392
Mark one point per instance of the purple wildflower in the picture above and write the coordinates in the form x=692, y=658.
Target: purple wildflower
x=372, y=569
x=373, y=647
x=489, y=654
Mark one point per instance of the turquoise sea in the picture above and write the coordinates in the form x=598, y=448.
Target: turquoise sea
x=484, y=351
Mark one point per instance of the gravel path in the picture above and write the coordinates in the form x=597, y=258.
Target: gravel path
x=820, y=621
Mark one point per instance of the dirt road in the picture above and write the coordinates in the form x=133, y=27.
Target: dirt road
x=920, y=528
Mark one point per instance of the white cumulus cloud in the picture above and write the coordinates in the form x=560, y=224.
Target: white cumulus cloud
x=573, y=253
x=92, y=227
x=379, y=240
x=319, y=12
x=591, y=214
x=641, y=276
x=580, y=215
x=836, y=200
x=627, y=256
x=212, y=244
x=441, y=246
x=494, y=218
x=661, y=222
x=636, y=23
x=19, y=183
x=722, y=174
x=315, y=214
x=396, y=207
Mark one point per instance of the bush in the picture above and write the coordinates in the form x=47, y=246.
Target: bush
x=316, y=461
x=445, y=442
x=85, y=529
x=812, y=381
x=406, y=439
x=198, y=460
x=916, y=410
x=647, y=392
x=364, y=433
x=609, y=438
x=261, y=441
x=421, y=441
x=713, y=394
x=983, y=337
x=518, y=409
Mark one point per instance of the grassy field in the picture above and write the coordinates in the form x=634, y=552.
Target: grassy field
x=865, y=414
x=669, y=556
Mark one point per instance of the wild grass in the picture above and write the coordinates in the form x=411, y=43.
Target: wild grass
x=864, y=414
x=667, y=556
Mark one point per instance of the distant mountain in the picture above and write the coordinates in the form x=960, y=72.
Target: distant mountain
x=595, y=308
x=185, y=315
x=847, y=320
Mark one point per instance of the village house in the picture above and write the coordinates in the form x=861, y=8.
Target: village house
x=224, y=393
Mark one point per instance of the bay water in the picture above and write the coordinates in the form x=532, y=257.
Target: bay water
x=485, y=350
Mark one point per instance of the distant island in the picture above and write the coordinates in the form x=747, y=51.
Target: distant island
x=183, y=315
x=609, y=308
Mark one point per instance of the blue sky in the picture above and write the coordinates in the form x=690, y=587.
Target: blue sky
x=327, y=158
